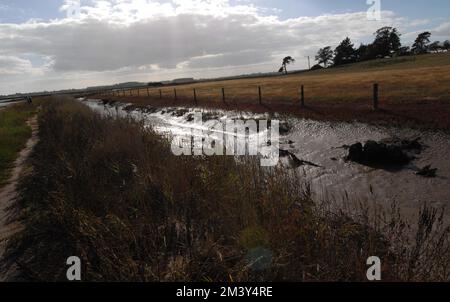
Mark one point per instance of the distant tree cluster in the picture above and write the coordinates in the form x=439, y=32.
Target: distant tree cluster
x=386, y=44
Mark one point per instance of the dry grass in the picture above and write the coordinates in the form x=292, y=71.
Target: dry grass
x=423, y=77
x=111, y=192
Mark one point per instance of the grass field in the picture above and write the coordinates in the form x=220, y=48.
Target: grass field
x=414, y=92
x=14, y=133
x=423, y=77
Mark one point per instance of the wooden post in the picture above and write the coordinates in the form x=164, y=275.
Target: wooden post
x=223, y=95
x=175, y=93
x=148, y=92
x=375, y=96
x=195, y=96
x=160, y=94
x=302, y=96
x=260, y=95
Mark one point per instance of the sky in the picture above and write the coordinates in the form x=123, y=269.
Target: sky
x=60, y=44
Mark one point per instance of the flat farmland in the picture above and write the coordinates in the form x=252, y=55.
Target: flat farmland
x=413, y=90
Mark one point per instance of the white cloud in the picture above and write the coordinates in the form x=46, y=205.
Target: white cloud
x=440, y=32
x=443, y=30
x=419, y=22
x=11, y=65
x=119, y=40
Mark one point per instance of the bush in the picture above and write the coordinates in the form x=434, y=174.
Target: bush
x=317, y=67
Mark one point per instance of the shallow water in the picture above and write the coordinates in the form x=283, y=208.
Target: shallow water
x=7, y=103
x=322, y=143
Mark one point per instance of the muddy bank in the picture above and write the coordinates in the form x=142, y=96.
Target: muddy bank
x=425, y=114
x=317, y=149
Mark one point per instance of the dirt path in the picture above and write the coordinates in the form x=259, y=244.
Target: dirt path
x=8, y=193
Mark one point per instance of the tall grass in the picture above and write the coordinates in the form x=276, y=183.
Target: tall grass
x=14, y=133
x=110, y=192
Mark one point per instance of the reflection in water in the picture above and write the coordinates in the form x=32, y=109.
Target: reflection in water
x=318, y=147
x=7, y=103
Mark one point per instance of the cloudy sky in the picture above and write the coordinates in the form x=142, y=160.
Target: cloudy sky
x=57, y=44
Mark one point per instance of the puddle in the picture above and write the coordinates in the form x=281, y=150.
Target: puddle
x=319, y=147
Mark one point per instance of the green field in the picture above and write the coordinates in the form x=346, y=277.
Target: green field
x=14, y=133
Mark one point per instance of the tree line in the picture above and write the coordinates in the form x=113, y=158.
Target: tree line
x=386, y=44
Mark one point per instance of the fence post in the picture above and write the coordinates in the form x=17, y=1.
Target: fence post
x=223, y=95
x=160, y=94
x=375, y=96
x=302, y=96
x=175, y=93
x=260, y=95
x=195, y=96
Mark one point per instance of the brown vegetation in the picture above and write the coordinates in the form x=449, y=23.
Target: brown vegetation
x=111, y=192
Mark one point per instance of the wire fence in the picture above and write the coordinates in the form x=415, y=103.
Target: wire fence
x=253, y=94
